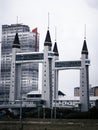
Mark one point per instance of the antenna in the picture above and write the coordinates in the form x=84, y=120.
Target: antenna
x=17, y=19
x=17, y=25
x=85, y=32
x=55, y=34
x=48, y=21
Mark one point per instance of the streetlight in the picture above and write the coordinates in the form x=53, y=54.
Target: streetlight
x=21, y=98
x=55, y=109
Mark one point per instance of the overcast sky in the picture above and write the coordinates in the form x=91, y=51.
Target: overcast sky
x=69, y=17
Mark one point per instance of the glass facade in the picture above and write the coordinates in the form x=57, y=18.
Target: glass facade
x=30, y=57
x=68, y=64
x=28, y=42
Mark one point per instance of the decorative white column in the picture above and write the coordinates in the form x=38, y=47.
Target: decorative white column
x=13, y=76
x=55, y=72
x=84, y=79
x=47, y=72
x=13, y=87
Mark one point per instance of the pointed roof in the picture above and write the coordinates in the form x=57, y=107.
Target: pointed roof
x=60, y=93
x=84, y=49
x=55, y=50
x=16, y=43
x=48, y=39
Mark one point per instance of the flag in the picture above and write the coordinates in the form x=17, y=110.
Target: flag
x=35, y=30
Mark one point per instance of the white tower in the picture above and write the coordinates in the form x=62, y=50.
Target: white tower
x=47, y=72
x=55, y=72
x=14, y=86
x=84, y=79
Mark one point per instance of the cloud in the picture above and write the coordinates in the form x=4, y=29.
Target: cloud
x=92, y=3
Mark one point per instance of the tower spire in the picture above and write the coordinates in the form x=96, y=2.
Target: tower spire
x=48, y=39
x=16, y=43
x=55, y=49
x=84, y=49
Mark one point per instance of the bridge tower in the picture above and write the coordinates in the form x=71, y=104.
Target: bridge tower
x=55, y=72
x=47, y=89
x=84, y=78
x=14, y=85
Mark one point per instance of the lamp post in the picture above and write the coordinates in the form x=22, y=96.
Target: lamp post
x=55, y=110
x=20, y=110
x=21, y=127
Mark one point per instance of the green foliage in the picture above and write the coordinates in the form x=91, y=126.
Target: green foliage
x=61, y=113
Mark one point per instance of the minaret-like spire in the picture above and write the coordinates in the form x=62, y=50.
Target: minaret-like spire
x=55, y=49
x=84, y=49
x=48, y=39
x=16, y=43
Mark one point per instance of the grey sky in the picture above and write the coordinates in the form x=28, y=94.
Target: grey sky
x=92, y=3
x=69, y=17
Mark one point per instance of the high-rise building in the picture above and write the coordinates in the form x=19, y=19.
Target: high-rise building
x=29, y=42
x=93, y=91
x=77, y=91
